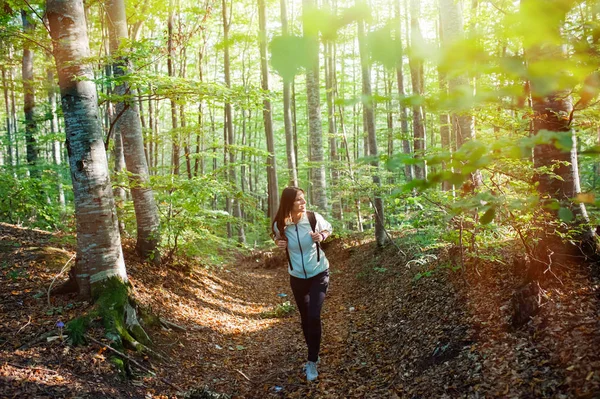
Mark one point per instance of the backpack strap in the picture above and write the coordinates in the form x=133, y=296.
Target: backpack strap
x=287, y=253
x=312, y=219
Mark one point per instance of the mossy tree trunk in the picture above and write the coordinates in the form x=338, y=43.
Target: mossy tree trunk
x=99, y=272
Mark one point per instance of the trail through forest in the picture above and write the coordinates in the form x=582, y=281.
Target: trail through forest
x=392, y=329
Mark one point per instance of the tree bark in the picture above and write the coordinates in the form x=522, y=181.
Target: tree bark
x=56, y=150
x=171, y=72
x=463, y=122
x=316, y=157
x=130, y=129
x=416, y=74
x=287, y=111
x=9, y=125
x=237, y=211
x=99, y=253
x=29, y=99
x=369, y=118
x=272, y=186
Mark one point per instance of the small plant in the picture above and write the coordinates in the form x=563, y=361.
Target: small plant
x=279, y=311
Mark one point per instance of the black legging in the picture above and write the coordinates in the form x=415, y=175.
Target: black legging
x=309, y=295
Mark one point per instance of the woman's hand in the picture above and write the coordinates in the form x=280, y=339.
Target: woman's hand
x=282, y=244
x=317, y=237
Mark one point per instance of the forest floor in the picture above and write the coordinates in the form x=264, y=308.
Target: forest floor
x=391, y=330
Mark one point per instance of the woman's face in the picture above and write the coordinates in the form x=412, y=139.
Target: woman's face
x=299, y=203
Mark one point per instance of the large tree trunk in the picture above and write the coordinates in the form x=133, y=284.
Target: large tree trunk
x=315, y=129
x=29, y=99
x=272, y=186
x=99, y=254
x=130, y=129
x=556, y=177
x=369, y=118
x=100, y=268
x=287, y=111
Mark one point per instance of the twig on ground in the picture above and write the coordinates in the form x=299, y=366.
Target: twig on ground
x=31, y=368
x=21, y=329
x=244, y=375
x=64, y=268
x=171, y=325
x=38, y=339
x=134, y=362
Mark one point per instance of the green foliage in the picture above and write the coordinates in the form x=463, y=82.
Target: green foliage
x=279, y=311
x=77, y=328
x=30, y=201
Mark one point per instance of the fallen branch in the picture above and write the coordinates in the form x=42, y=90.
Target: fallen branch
x=31, y=368
x=21, y=329
x=171, y=325
x=134, y=362
x=64, y=268
x=37, y=339
x=244, y=375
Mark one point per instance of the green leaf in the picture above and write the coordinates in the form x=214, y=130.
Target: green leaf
x=289, y=55
x=565, y=214
x=488, y=216
x=564, y=141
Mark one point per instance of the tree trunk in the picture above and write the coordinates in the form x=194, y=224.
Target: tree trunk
x=99, y=254
x=272, y=186
x=29, y=99
x=315, y=129
x=237, y=211
x=171, y=72
x=416, y=74
x=56, y=150
x=146, y=211
x=9, y=125
x=287, y=111
x=408, y=169
x=369, y=117
x=463, y=123
x=330, y=90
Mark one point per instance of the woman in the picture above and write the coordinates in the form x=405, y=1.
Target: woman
x=307, y=265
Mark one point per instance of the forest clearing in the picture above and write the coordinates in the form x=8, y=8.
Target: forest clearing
x=427, y=172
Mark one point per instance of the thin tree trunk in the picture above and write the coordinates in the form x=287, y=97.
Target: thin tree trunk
x=316, y=158
x=56, y=151
x=369, y=117
x=9, y=125
x=237, y=212
x=171, y=71
x=463, y=122
x=29, y=99
x=272, y=186
x=287, y=111
x=330, y=90
x=416, y=74
x=130, y=131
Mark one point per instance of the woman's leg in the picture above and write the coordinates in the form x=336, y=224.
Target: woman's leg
x=300, y=289
x=316, y=294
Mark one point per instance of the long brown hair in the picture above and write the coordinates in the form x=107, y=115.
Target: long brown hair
x=286, y=204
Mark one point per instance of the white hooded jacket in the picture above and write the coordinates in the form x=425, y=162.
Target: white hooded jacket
x=302, y=248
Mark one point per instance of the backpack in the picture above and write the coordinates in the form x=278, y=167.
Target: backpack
x=312, y=219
